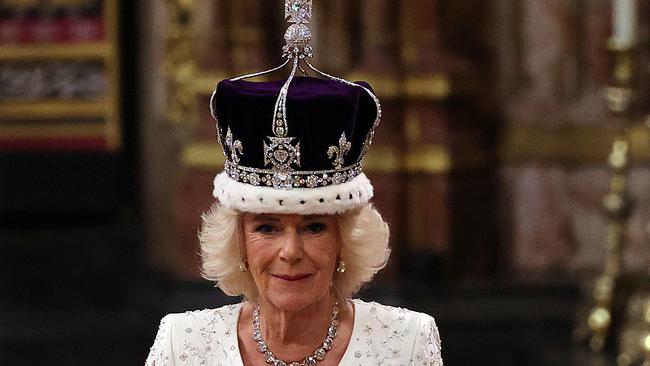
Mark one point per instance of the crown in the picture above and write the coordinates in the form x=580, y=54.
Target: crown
x=294, y=146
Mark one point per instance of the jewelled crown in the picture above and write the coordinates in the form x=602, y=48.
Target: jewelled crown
x=294, y=146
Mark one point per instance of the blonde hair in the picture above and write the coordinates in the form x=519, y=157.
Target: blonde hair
x=364, y=237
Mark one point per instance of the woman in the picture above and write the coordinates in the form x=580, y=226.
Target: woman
x=294, y=234
x=298, y=254
x=296, y=268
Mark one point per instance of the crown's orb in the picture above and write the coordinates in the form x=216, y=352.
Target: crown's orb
x=297, y=34
x=298, y=11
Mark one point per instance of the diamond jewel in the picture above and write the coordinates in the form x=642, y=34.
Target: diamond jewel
x=272, y=359
x=327, y=344
x=281, y=155
x=282, y=181
x=261, y=346
x=297, y=34
x=338, y=178
x=332, y=331
x=254, y=179
x=298, y=11
x=312, y=181
x=320, y=354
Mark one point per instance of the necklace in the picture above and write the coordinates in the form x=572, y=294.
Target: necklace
x=317, y=355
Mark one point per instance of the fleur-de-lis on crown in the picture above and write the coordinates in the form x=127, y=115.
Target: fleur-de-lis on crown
x=338, y=152
x=234, y=147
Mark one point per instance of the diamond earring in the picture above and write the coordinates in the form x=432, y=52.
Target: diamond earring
x=341, y=267
x=242, y=267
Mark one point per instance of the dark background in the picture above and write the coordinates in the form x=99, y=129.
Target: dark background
x=78, y=286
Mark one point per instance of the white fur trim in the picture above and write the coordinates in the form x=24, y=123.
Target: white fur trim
x=304, y=201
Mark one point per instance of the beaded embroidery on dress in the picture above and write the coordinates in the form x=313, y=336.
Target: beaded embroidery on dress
x=381, y=336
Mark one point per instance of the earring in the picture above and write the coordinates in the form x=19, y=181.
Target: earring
x=242, y=267
x=341, y=267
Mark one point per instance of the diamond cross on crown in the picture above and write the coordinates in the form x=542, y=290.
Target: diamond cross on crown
x=298, y=11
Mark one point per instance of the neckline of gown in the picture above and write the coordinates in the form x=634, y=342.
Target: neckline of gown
x=348, y=349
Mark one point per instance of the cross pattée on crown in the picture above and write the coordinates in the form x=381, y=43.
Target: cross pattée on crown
x=298, y=11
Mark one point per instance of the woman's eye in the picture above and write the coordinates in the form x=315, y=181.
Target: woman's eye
x=316, y=227
x=265, y=229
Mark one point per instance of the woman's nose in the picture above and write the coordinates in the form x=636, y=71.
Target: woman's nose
x=291, y=250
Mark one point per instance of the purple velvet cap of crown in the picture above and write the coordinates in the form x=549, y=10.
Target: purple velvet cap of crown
x=318, y=112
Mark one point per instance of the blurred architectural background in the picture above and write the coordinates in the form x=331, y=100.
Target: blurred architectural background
x=490, y=165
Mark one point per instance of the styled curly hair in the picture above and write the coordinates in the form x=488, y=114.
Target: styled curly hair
x=363, y=233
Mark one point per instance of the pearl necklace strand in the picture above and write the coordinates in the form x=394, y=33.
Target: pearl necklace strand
x=318, y=355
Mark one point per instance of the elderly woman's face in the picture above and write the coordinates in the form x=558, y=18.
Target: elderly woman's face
x=292, y=258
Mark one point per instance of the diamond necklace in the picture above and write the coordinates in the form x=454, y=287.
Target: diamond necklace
x=317, y=355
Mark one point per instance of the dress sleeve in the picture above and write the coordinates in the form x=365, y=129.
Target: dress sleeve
x=427, y=349
x=161, y=353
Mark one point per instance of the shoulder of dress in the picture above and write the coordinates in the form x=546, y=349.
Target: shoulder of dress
x=200, y=337
x=389, y=335
x=225, y=313
x=383, y=311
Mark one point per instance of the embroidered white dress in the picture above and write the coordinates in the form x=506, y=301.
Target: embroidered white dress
x=381, y=335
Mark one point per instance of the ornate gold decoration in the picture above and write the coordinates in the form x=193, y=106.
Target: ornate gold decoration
x=431, y=159
x=55, y=109
x=635, y=336
x=180, y=65
x=106, y=109
x=634, y=343
x=616, y=205
x=384, y=87
x=435, y=86
x=203, y=82
x=570, y=145
x=383, y=159
x=620, y=98
x=202, y=155
x=112, y=62
x=75, y=51
x=61, y=129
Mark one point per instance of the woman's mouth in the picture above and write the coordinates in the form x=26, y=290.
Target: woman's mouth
x=297, y=277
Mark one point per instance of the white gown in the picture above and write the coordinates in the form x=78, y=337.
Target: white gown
x=381, y=335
